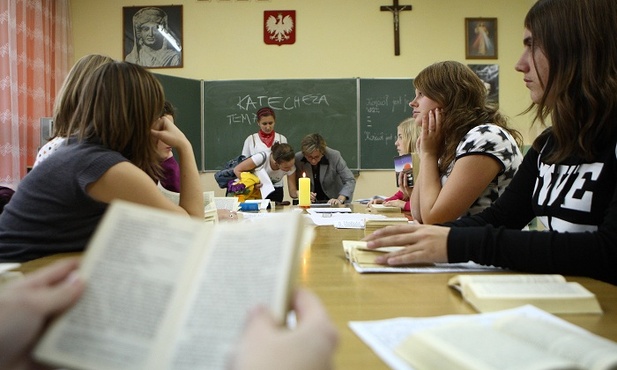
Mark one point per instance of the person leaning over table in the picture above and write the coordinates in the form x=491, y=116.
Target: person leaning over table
x=568, y=179
x=277, y=163
x=28, y=305
x=111, y=154
x=331, y=180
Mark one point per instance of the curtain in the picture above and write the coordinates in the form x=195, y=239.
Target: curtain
x=35, y=55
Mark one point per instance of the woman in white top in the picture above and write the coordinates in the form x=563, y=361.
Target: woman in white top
x=262, y=140
x=278, y=163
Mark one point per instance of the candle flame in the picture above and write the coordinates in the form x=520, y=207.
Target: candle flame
x=303, y=174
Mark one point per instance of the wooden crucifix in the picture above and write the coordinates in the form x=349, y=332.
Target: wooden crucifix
x=395, y=9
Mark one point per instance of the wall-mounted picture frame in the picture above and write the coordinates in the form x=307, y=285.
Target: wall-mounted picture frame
x=489, y=74
x=153, y=36
x=481, y=38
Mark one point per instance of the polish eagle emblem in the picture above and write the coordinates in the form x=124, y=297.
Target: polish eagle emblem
x=279, y=27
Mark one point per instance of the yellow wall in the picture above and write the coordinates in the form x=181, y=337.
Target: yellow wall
x=335, y=39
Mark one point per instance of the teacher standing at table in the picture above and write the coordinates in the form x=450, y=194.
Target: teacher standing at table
x=331, y=179
x=262, y=140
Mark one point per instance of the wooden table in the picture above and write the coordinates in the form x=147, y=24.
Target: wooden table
x=350, y=296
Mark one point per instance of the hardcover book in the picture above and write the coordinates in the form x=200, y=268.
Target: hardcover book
x=166, y=291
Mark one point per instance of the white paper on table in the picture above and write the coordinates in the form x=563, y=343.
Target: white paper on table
x=437, y=268
x=329, y=210
x=330, y=219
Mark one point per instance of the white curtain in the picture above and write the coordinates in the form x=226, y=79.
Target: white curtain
x=35, y=55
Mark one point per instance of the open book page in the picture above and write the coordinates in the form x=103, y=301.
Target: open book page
x=363, y=259
x=245, y=265
x=384, y=336
x=229, y=203
x=139, y=261
x=458, y=281
x=588, y=350
x=548, y=292
x=475, y=347
x=510, y=342
x=208, y=196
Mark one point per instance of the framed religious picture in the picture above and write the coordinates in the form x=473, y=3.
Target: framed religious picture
x=489, y=74
x=481, y=38
x=153, y=36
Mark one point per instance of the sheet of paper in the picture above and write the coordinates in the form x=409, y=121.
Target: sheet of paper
x=329, y=210
x=383, y=336
x=330, y=219
x=437, y=268
x=267, y=187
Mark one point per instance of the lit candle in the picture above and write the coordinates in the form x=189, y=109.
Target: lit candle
x=305, y=191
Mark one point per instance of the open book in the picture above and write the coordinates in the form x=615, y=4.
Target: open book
x=387, y=338
x=549, y=292
x=512, y=341
x=229, y=203
x=210, y=207
x=165, y=291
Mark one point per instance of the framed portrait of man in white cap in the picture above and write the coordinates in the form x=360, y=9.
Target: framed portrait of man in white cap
x=153, y=36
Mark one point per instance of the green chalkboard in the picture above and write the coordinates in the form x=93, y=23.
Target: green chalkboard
x=185, y=95
x=302, y=106
x=384, y=103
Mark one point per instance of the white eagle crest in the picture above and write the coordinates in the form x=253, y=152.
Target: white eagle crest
x=279, y=27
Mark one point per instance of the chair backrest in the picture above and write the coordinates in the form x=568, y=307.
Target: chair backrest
x=5, y=195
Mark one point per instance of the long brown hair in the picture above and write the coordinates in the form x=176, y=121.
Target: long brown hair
x=118, y=106
x=580, y=93
x=463, y=98
x=69, y=93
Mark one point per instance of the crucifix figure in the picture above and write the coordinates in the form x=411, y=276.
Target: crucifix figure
x=395, y=9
